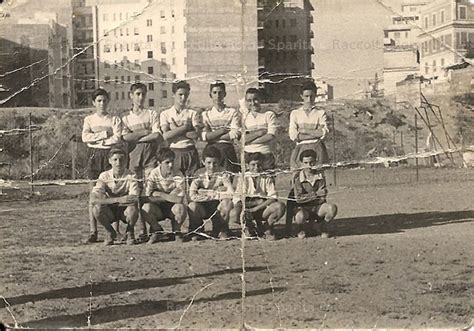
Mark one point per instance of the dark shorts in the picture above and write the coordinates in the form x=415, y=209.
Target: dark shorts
x=210, y=207
x=142, y=156
x=311, y=209
x=229, y=160
x=117, y=210
x=165, y=208
x=268, y=163
x=319, y=148
x=252, y=202
x=97, y=163
x=186, y=161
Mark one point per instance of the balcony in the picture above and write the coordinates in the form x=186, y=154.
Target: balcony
x=311, y=49
x=311, y=34
x=260, y=5
x=261, y=63
x=312, y=65
x=260, y=25
x=310, y=19
x=261, y=44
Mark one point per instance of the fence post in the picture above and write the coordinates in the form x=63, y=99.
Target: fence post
x=31, y=154
x=73, y=157
x=334, y=157
x=416, y=147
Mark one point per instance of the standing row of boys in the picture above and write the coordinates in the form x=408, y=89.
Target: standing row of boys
x=160, y=148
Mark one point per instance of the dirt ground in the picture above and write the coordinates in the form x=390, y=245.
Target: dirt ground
x=400, y=257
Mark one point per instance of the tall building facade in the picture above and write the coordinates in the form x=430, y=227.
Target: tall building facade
x=84, y=61
x=157, y=42
x=401, y=51
x=284, y=46
x=37, y=50
x=448, y=29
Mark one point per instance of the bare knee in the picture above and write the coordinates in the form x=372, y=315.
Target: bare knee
x=300, y=217
x=225, y=206
x=328, y=211
x=131, y=213
x=193, y=207
x=179, y=211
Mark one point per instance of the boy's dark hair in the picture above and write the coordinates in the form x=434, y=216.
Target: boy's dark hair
x=253, y=90
x=249, y=157
x=165, y=153
x=308, y=153
x=100, y=91
x=180, y=84
x=310, y=85
x=211, y=151
x=116, y=150
x=136, y=86
x=217, y=83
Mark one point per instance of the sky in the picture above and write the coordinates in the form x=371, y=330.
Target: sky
x=349, y=42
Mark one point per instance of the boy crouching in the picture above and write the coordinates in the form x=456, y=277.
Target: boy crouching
x=165, y=192
x=310, y=193
x=115, y=197
x=261, y=200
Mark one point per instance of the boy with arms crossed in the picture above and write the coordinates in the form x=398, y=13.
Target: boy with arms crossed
x=260, y=128
x=310, y=193
x=180, y=125
x=261, y=200
x=101, y=132
x=221, y=126
x=165, y=193
x=115, y=197
x=211, y=195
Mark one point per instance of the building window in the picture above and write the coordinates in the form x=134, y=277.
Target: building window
x=106, y=48
x=150, y=54
x=441, y=17
x=174, y=61
x=434, y=19
x=434, y=66
x=426, y=21
x=172, y=13
x=128, y=79
x=116, y=95
x=283, y=23
x=104, y=17
x=397, y=35
x=149, y=22
x=406, y=34
x=442, y=62
x=137, y=63
x=116, y=80
x=276, y=23
x=106, y=65
x=120, y=16
x=149, y=38
x=107, y=79
x=115, y=17
x=464, y=39
x=136, y=47
x=122, y=80
x=427, y=68
x=162, y=14
x=151, y=87
x=462, y=13
x=293, y=22
x=150, y=70
x=162, y=30
x=163, y=47
x=121, y=32
x=151, y=102
x=126, y=31
x=163, y=61
x=164, y=94
x=123, y=95
x=163, y=79
x=135, y=31
x=137, y=78
x=172, y=29
x=173, y=45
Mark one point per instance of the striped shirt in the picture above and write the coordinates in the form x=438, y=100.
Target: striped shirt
x=145, y=119
x=117, y=187
x=254, y=121
x=171, y=118
x=214, y=119
x=207, y=187
x=309, y=120
x=256, y=186
x=170, y=185
x=102, y=131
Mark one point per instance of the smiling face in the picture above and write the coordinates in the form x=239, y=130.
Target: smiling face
x=217, y=95
x=118, y=161
x=181, y=98
x=100, y=103
x=252, y=102
x=308, y=163
x=138, y=98
x=211, y=164
x=255, y=166
x=308, y=96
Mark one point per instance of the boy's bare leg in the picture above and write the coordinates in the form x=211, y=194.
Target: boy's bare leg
x=92, y=221
x=300, y=219
x=105, y=216
x=327, y=212
x=131, y=215
x=151, y=213
x=224, y=209
x=179, y=217
x=272, y=214
x=196, y=216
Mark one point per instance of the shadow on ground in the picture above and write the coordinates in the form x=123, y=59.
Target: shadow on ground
x=136, y=310
x=106, y=288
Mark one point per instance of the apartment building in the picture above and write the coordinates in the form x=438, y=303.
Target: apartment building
x=157, y=42
x=38, y=49
x=284, y=46
x=448, y=29
x=401, y=51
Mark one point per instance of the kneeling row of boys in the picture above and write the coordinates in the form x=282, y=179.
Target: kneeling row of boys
x=211, y=196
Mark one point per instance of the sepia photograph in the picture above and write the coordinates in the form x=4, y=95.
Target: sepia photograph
x=237, y=164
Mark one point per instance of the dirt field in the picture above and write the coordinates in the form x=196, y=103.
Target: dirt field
x=401, y=257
